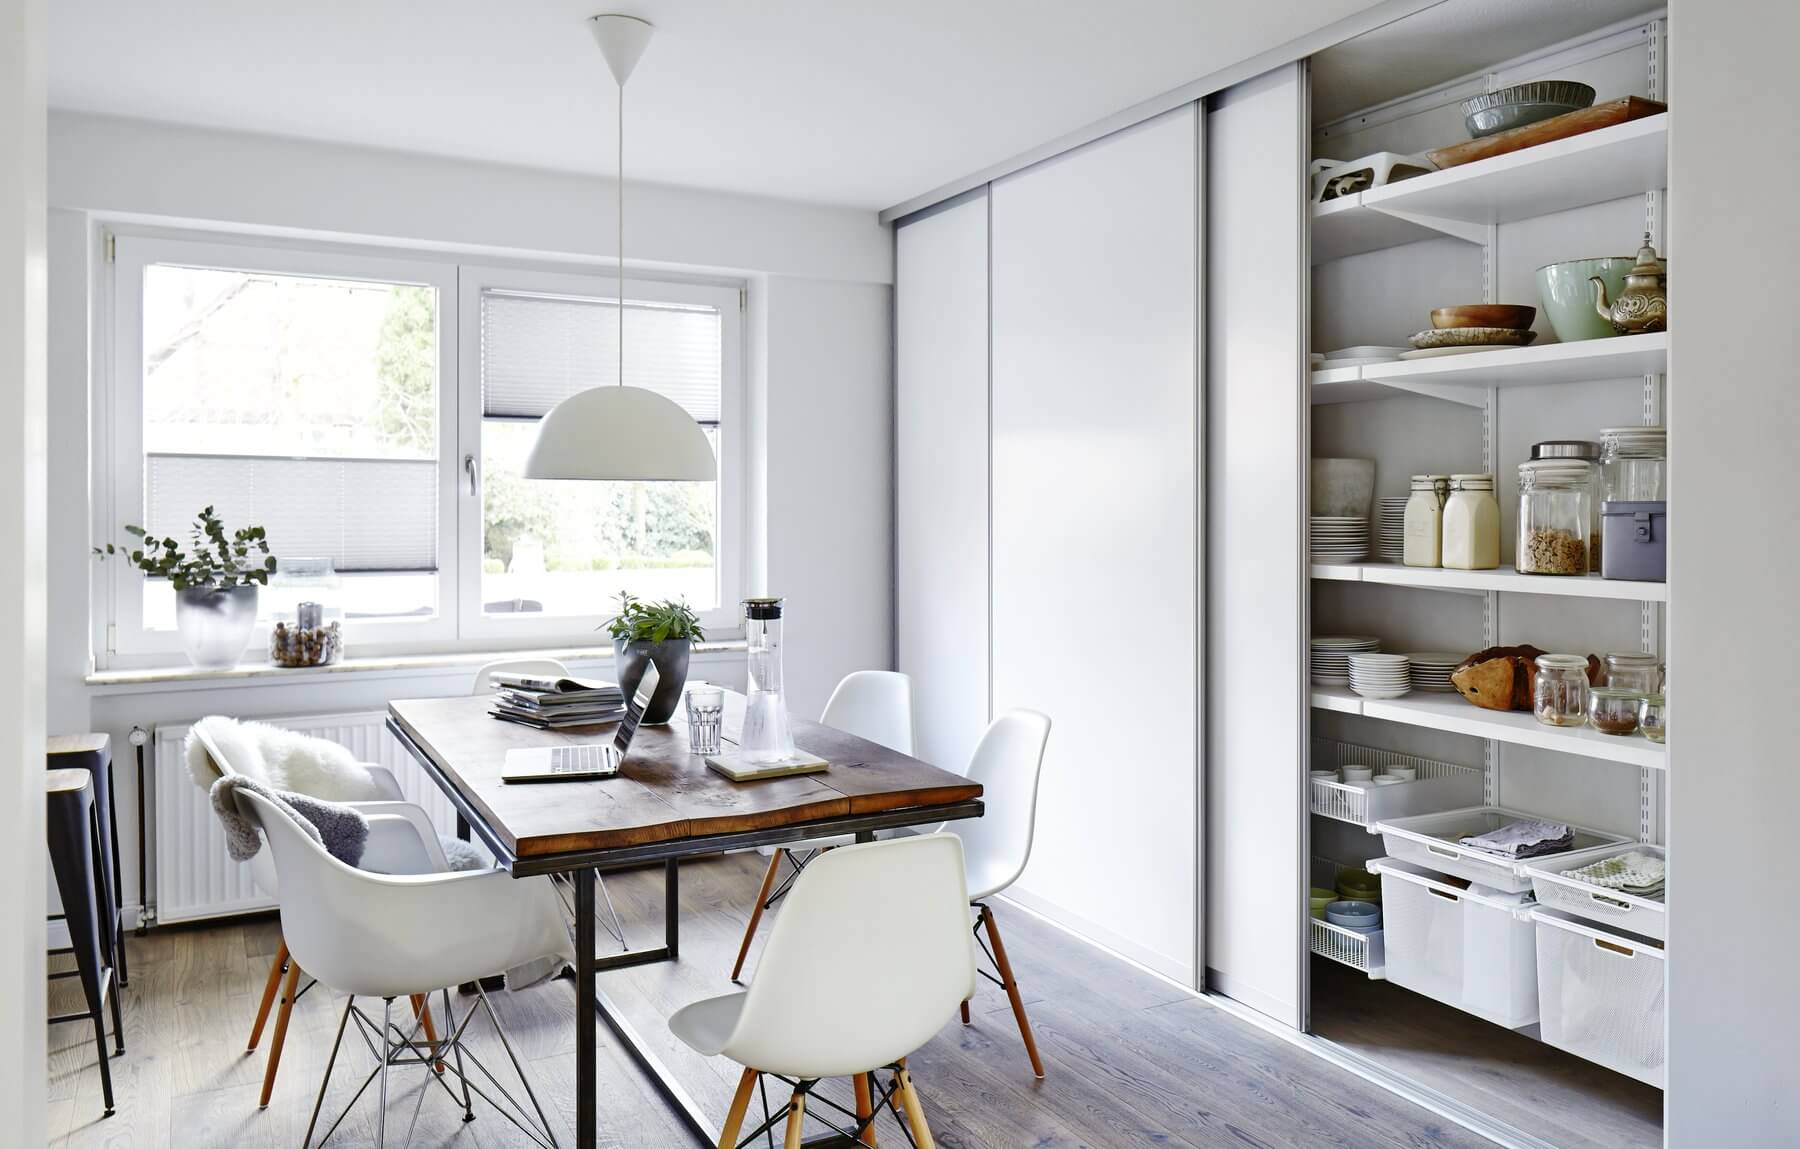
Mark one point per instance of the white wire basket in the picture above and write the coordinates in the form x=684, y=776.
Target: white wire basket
x=1437, y=785
x=1359, y=951
x=1464, y=948
x=1615, y=909
x=1435, y=842
x=1602, y=995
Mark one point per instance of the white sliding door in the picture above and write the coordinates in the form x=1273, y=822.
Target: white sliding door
x=1256, y=580
x=1096, y=423
x=941, y=465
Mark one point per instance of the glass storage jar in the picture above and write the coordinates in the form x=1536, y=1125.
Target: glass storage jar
x=1630, y=670
x=1471, y=524
x=1634, y=464
x=1590, y=451
x=1422, y=532
x=1653, y=717
x=1614, y=711
x=1559, y=694
x=1555, y=516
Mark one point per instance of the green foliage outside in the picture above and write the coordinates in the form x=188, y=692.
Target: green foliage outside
x=406, y=363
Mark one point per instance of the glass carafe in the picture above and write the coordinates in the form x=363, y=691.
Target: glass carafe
x=766, y=737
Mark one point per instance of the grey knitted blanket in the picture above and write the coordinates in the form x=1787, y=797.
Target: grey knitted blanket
x=342, y=830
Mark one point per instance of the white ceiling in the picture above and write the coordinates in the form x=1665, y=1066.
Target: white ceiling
x=837, y=101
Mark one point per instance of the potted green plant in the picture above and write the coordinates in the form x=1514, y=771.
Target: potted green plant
x=215, y=576
x=660, y=635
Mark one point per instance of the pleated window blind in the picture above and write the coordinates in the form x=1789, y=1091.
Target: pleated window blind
x=537, y=350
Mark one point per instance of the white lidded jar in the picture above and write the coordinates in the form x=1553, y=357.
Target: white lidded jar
x=1471, y=524
x=1423, y=531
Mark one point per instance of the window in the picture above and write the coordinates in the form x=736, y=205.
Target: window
x=373, y=413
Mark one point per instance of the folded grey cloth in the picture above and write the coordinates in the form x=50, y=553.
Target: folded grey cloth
x=341, y=829
x=1526, y=838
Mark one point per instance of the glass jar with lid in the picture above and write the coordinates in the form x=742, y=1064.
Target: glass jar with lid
x=1555, y=516
x=1471, y=524
x=1422, y=531
x=1589, y=451
x=1631, y=670
x=1559, y=693
x=1634, y=464
x=1653, y=717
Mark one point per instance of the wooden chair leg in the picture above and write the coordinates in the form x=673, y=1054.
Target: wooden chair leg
x=1012, y=990
x=740, y=1104
x=756, y=911
x=796, y=1122
x=965, y=1013
x=276, y=969
x=422, y=1010
x=281, y=1024
x=915, y=1113
x=865, y=1108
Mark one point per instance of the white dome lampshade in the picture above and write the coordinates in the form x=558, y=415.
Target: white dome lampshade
x=621, y=434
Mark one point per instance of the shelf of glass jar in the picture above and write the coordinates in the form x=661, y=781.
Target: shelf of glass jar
x=1455, y=714
x=1499, y=579
x=1465, y=378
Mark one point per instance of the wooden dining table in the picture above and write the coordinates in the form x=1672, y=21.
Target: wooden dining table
x=664, y=805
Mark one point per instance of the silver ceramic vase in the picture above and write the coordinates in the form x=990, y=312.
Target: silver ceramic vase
x=215, y=623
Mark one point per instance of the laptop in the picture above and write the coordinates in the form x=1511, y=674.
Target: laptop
x=582, y=762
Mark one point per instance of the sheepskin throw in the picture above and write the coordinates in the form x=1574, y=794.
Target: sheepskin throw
x=281, y=760
x=342, y=830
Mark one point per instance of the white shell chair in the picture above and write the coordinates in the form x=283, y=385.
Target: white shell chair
x=402, y=840
x=871, y=704
x=1008, y=763
x=551, y=668
x=389, y=936
x=867, y=961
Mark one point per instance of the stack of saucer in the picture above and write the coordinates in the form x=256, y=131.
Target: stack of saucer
x=1380, y=675
x=1340, y=539
x=1431, y=670
x=1390, y=529
x=1331, y=656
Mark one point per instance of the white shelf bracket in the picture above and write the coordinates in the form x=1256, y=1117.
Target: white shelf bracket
x=1455, y=228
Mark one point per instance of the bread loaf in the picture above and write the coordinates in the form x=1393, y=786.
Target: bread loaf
x=1503, y=677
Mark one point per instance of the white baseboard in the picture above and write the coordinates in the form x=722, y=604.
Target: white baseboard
x=1173, y=969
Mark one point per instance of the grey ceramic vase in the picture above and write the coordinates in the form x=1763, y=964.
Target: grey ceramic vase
x=669, y=657
x=215, y=623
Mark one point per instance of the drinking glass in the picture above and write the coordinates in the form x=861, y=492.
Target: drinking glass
x=706, y=717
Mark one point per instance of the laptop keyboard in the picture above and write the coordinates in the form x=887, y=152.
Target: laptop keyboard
x=579, y=759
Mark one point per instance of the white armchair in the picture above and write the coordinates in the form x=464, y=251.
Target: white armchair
x=405, y=935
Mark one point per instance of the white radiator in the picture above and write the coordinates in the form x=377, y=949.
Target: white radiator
x=194, y=876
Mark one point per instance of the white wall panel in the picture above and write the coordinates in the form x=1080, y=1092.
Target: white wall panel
x=1256, y=576
x=941, y=475
x=1095, y=525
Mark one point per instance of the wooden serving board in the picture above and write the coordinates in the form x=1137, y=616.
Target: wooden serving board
x=1557, y=128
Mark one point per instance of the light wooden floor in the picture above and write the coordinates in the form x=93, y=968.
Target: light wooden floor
x=1131, y=1061
x=1531, y=1086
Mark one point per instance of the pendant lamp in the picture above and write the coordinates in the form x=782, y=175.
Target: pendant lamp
x=621, y=433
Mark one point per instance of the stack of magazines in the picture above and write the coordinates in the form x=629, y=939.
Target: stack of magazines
x=550, y=703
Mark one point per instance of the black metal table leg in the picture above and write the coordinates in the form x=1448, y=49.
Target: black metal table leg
x=587, y=1118
x=672, y=908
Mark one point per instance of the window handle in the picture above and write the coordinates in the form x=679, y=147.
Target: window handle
x=469, y=469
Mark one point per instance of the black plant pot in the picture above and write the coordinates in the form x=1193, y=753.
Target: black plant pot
x=670, y=657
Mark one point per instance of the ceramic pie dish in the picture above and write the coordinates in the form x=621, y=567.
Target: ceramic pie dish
x=1472, y=337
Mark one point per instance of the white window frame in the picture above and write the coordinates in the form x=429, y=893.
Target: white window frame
x=119, y=435
x=515, y=629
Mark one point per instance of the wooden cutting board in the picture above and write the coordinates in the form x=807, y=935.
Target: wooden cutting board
x=1557, y=128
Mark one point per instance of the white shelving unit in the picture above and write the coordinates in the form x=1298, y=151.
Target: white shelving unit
x=1467, y=378
x=1480, y=582
x=1453, y=713
x=1462, y=201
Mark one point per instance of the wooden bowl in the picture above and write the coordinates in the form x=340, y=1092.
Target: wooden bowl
x=1484, y=315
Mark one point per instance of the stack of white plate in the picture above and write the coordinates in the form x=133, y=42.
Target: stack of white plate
x=1380, y=675
x=1343, y=539
x=1390, y=529
x=1431, y=670
x=1358, y=356
x=1331, y=656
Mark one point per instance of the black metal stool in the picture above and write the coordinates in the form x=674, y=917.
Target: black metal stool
x=72, y=823
x=93, y=753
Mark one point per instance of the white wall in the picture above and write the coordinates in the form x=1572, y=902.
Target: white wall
x=819, y=362
x=829, y=431
x=1733, y=777
x=22, y=354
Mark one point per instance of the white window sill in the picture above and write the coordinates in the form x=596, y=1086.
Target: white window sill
x=168, y=679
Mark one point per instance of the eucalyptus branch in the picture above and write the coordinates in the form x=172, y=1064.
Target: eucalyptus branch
x=211, y=558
